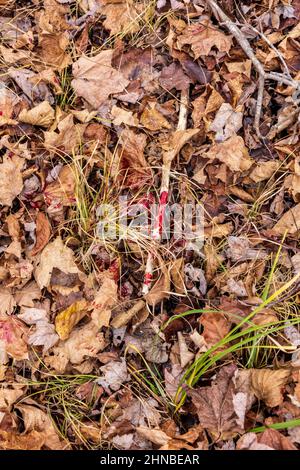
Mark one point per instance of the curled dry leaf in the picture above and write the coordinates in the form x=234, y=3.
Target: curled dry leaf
x=268, y=384
x=41, y=115
x=67, y=319
x=43, y=233
x=104, y=301
x=95, y=79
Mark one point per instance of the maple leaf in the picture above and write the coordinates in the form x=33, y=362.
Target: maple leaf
x=95, y=79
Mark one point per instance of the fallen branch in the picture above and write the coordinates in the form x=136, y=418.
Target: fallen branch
x=168, y=157
x=245, y=45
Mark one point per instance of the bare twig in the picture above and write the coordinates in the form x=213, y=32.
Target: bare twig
x=168, y=157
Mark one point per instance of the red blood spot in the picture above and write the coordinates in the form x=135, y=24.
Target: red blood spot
x=148, y=279
x=115, y=270
x=6, y=333
x=1, y=113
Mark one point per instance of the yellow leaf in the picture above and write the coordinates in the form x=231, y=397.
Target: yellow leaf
x=67, y=319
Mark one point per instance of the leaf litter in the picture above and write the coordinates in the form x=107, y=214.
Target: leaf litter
x=143, y=342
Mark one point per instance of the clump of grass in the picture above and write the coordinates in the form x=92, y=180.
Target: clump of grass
x=58, y=394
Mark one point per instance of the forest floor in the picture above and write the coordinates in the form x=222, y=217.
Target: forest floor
x=150, y=221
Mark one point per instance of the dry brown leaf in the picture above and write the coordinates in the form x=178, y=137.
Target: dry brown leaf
x=41, y=115
x=44, y=334
x=35, y=90
x=67, y=139
x=11, y=179
x=121, y=319
x=153, y=119
x=267, y=385
x=290, y=222
x=157, y=436
x=95, y=79
x=35, y=419
x=214, y=404
x=216, y=327
x=7, y=301
x=43, y=233
x=54, y=255
x=83, y=342
x=227, y=122
x=53, y=50
x=104, y=301
x=202, y=37
x=8, y=100
x=185, y=355
x=276, y=440
x=123, y=16
x=13, y=441
x=232, y=152
x=122, y=116
x=264, y=170
x=61, y=192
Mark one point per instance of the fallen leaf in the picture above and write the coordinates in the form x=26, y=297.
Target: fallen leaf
x=11, y=179
x=44, y=334
x=152, y=119
x=36, y=92
x=54, y=255
x=83, y=342
x=214, y=404
x=13, y=441
x=114, y=375
x=290, y=222
x=202, y=37
x=41, y=115
x=123, y=16
x=264, y=170
x=67, y=319
x=35, y=419
x=43, y=233
x=104, y=301
x=215, y=328
x=267, y=385
x=13, y=334
x=227, y=122
x=232, y=152
x=185, y=355
x=7, y=301
x=95, y=79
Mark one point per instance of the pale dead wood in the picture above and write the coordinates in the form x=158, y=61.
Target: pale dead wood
x=168, y=158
